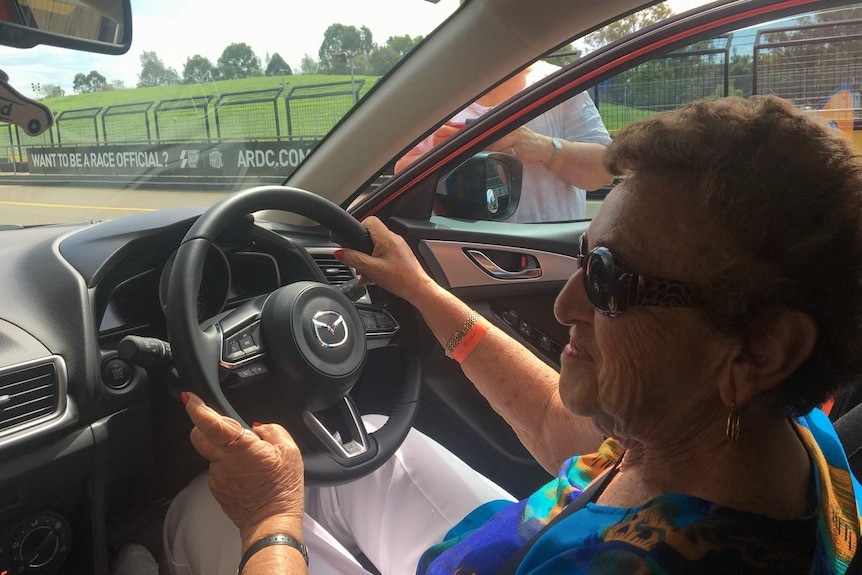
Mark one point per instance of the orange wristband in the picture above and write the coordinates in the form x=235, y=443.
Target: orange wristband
x=470, y=340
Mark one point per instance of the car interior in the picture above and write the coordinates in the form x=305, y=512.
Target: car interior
x=104, y=323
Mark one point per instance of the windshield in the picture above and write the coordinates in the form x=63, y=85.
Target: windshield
x=207, y=101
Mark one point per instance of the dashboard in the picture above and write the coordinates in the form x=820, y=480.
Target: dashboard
x=129, y=285
x=229, y=278
x=78, y=425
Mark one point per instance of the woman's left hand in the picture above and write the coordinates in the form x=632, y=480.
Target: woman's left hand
x=525, y=144
x=254, y=474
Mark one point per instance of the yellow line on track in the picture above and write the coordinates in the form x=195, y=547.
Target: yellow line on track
x=70, y=206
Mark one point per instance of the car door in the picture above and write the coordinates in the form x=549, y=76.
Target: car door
x=511, y=272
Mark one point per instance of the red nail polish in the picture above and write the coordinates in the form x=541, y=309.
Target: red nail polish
x=185, y=397
x=256, y=424
x=338, y=254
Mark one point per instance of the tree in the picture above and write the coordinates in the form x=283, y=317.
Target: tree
x=740, y=73
x=382, y=59
x=119, y=84
x=154, y=72
x=277, y=66
x=238, y=61
x=92, y=82
x=366, y=40
x=198, y=70
x=79, y=83
x=309, y=65
x=628, y=25
x=51, y=91
x=402, y=44
x=338, y=41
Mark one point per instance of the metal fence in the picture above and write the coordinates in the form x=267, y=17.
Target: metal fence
x=127, y=122
x=665, y=83
x=183, y=119
x=807, y=64
x=313, y=110
x=305, y=113
x=77, y=126
x=248, y=115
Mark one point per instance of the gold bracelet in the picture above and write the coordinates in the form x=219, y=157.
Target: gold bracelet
x=462, y=331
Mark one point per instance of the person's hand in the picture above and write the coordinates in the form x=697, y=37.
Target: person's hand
x=254, y=474
x=392, y=265
x=445, y=132
x=525, y=144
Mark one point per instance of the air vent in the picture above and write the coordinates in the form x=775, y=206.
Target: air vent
x=28, y=394
x=336, y=272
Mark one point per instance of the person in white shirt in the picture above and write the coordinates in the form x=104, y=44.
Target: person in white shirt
x=561, y=150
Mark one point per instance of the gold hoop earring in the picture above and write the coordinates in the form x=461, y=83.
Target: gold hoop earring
x=733, y=424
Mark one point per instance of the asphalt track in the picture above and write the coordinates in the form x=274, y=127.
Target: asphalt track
x=31, y=205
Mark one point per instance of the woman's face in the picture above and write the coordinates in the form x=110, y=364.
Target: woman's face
x=652, y=373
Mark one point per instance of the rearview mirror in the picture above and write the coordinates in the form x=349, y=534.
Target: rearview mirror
x=485, y=187
x=103, y=26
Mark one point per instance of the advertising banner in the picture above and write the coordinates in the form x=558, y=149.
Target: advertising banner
x=231, y=159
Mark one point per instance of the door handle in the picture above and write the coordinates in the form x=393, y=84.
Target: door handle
x=494, y=270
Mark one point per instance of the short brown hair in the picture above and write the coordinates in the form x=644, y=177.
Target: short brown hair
x=786, y=188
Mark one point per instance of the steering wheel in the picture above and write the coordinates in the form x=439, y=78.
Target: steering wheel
x=307, y=336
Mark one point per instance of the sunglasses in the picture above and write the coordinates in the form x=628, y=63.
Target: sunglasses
x=611, y=288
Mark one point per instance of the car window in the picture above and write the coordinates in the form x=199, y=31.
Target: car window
x=814, y=60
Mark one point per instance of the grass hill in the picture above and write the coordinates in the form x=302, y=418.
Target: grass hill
x=158, y=93
x=323, y=119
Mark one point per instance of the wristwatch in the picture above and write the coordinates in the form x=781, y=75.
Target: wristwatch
x=558, y=145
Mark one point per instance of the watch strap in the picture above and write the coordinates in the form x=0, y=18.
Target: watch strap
x=268, y=541
x=558, y=145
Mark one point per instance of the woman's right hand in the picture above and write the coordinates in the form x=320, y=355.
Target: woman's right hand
x=392, y=265
x=255, y=475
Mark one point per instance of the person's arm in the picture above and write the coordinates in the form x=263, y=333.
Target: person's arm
x=581, y=164
x=517, y=384
x=257, y=478
x=442, y=133
x=274, y=559
x=584, y=139
x=407, y=159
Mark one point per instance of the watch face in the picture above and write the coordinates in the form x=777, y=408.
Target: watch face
x=558, y=145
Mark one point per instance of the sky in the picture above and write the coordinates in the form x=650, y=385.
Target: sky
x=176, y=30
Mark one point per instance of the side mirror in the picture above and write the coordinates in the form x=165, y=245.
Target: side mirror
x=103, y=26
x=485, y=187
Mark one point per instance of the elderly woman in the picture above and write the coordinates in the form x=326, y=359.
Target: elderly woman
x=717, y=302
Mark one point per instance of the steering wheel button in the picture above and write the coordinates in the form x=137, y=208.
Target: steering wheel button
x=368, y=319
x=258, y=369
x=246, y=342
x=383, y=320
x=233, y=350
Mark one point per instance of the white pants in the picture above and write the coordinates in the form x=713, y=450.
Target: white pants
x=392, y=515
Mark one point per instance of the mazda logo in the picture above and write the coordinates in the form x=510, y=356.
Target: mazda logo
x=330, y=329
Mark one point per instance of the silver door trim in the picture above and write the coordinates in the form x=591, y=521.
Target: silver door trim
x=461, y=271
